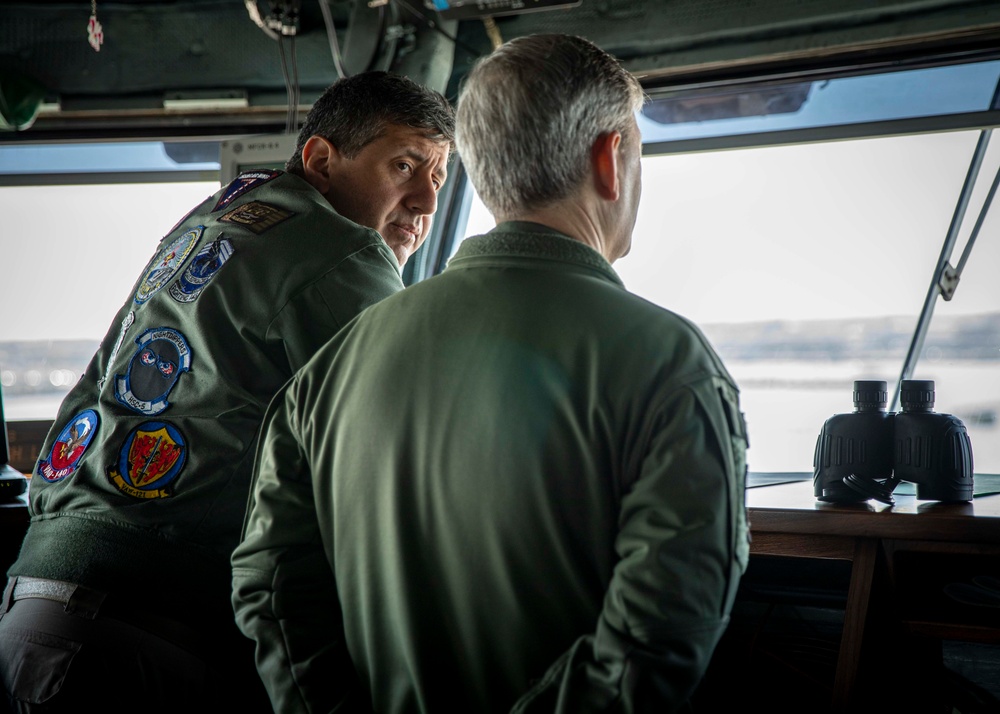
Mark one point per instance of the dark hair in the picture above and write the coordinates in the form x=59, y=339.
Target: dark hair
x=355, y=111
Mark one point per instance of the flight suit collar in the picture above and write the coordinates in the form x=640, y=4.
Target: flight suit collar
x=533, y=240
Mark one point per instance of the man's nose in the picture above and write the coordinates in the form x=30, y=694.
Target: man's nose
x=423, y=198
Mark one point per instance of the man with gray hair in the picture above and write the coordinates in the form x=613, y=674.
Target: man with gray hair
x=515, y=486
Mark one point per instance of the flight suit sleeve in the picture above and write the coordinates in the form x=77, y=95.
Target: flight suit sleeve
x=318, y=311
x=682, y=548
x=284, y=591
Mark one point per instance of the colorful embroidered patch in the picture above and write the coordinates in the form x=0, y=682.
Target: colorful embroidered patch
x=69, y=447
x=126, y=323
x=166, y=264
x=154, y=369
x=150, y=459
x=257, y=216
x=244, y=182
x=202, y=269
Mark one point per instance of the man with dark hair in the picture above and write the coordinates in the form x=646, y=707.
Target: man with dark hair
x=120, y=596
x=549, y=517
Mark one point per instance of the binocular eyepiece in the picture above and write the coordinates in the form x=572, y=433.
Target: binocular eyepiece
x=867, y=453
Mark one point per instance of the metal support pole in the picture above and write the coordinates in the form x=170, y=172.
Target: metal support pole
x=943, y=272
x=979, y=224
x=924, y=321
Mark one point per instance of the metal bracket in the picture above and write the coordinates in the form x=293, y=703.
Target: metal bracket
x=948, y=281
x=398, y=32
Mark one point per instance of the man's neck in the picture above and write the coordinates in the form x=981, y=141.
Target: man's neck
x=572, y=219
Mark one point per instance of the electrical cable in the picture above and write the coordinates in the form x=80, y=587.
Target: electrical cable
x=254, y=12
x=433, y=25
x=279, y=25
x=284, y=75
x=293, y=104
x=331, y=36
x=288, y=84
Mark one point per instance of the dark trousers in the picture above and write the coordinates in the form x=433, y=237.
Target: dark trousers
x=62, y=653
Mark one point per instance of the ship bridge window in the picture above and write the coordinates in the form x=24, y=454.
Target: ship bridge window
x=802, y=225
x=80, y=222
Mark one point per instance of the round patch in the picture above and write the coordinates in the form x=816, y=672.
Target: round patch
x=166, y=264
x=149, y=461
x=154, y=369
x=202, y=269
x=69, y=447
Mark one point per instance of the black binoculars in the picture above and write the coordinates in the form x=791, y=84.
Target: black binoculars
x=867, y=453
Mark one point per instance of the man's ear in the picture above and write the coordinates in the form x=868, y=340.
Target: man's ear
x=319, y=158
x=604, y=162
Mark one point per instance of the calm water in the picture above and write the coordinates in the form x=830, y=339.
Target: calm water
x=786, y=404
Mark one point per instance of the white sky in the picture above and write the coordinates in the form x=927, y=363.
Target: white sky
x=71, y=253
x=843, y=229
x=820, y=231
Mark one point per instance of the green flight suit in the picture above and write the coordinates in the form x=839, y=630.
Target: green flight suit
x=513, y=487
x=142, y=483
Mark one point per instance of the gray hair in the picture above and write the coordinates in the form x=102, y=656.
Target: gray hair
x=529, y=114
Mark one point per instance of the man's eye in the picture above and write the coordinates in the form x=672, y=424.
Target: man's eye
x=405, y=167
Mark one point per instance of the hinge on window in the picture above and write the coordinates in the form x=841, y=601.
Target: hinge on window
x=948, y=281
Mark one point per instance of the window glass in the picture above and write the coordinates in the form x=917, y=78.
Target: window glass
x=70, y=256
x=807, y=267
x=119, y=157
x=799, y=104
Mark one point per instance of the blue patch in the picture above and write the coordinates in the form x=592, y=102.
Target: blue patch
x=69, y=447
x=154, y=369
x=166, y=264
x=149, y=461
x=244, y=182
x=202, y=269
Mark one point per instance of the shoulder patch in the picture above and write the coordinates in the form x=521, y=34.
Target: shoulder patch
x=166, y=264
x=257, y=216
x=154, y=369
x=149, y=461
x=202, y=269
x=69, y=447
x=126, y=324
x=246, y=181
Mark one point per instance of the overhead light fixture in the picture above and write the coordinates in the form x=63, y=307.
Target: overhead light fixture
x=206, y=101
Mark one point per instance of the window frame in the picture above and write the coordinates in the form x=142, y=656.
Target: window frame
x=453, y=214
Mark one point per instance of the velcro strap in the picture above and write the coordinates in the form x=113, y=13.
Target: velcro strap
x=41, y=587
